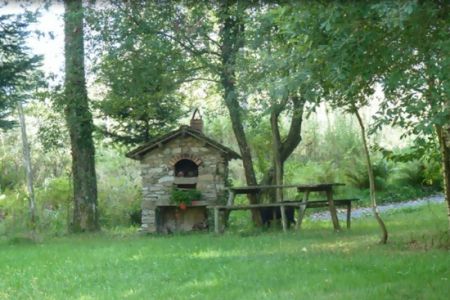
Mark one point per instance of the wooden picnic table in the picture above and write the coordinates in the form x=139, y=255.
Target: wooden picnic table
x=306, y=189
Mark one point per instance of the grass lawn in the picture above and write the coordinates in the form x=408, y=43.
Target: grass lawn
x=314, y=263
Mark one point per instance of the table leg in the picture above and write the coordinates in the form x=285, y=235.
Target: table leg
x=283, y=218
x=333, y=213
x=302, y=209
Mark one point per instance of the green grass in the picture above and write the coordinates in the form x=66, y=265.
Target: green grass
x=314, y=263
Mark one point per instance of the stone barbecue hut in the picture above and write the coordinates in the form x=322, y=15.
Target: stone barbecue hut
x=184, y=159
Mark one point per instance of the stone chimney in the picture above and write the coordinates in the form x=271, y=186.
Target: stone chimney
x=196, y=120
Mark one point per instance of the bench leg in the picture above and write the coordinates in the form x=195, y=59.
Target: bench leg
x=333, y=213
x=283, y=218
x=349, y=213
x=302, y=209
x=301, y=214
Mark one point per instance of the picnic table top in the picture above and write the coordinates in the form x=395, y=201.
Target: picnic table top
x=300, y=187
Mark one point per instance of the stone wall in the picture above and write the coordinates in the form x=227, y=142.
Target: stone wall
x=157, y=170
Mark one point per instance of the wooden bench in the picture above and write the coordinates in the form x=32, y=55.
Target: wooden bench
x=324, y=203
x=301, y=205
x=224, y=208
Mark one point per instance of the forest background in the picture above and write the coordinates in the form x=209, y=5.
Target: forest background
x=146, y=77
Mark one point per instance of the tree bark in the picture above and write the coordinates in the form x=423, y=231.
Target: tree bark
x=28, y=167
x=231, y=42
x=292, y=140
x=276, y=147
x=443, y=134
x=373, y=199
x=79, y=122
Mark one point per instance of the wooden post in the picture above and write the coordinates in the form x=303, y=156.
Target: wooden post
x=283, y=218
x=230, y=202
x=333, y=213
x=302, y=209
x=216, y=220
x=230, y=198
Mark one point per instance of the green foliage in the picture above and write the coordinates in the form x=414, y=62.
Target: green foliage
x=339, y=142
x=55, y=194
x=14, y=215
x=119, y=193
x=259, y=134
x=356, y=174
x=12, y=174
x=417, y=173
x=185, y=196
x=119, y=188
x=18, y=68
x=53, y=201
x=141, y=68
x=416, y=85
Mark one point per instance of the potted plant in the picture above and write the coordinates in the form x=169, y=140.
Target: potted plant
x=184, y=197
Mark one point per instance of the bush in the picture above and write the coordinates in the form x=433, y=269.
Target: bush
x=185, y=196
x=119, y=192
x=12, y=175
x=356, y=174
x=54, y=200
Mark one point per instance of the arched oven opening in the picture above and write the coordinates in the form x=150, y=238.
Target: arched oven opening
x=186, y=174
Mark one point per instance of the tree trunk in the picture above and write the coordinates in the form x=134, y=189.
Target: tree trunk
x=292, y=140
x=443, y=134
x=79, y=122
x=373, y=199
x=276, y=152
x=28, y=168
x=231, y=41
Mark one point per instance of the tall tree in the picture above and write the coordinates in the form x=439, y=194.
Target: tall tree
x=212, y=37
x=141, y=68
x=348, y=60
x=416, y=84
x=18, y=78
x=16, y=62
x=79, y=122
x=28, y=167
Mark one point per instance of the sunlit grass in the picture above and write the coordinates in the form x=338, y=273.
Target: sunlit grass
x=314, y=263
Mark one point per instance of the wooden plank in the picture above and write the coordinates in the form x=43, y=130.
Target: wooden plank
x=283, y=218
x=309, y=204
x=251, y=206
x=259, y=188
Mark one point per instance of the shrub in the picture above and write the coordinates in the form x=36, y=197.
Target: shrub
x=185, y=195
x=417, y=173
x=356, y=174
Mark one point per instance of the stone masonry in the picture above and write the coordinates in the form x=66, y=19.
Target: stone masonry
x=157, y=168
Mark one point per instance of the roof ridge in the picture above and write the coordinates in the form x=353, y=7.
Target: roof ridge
x=138, y=152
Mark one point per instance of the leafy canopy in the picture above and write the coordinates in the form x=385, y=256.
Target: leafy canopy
x=18, y=67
